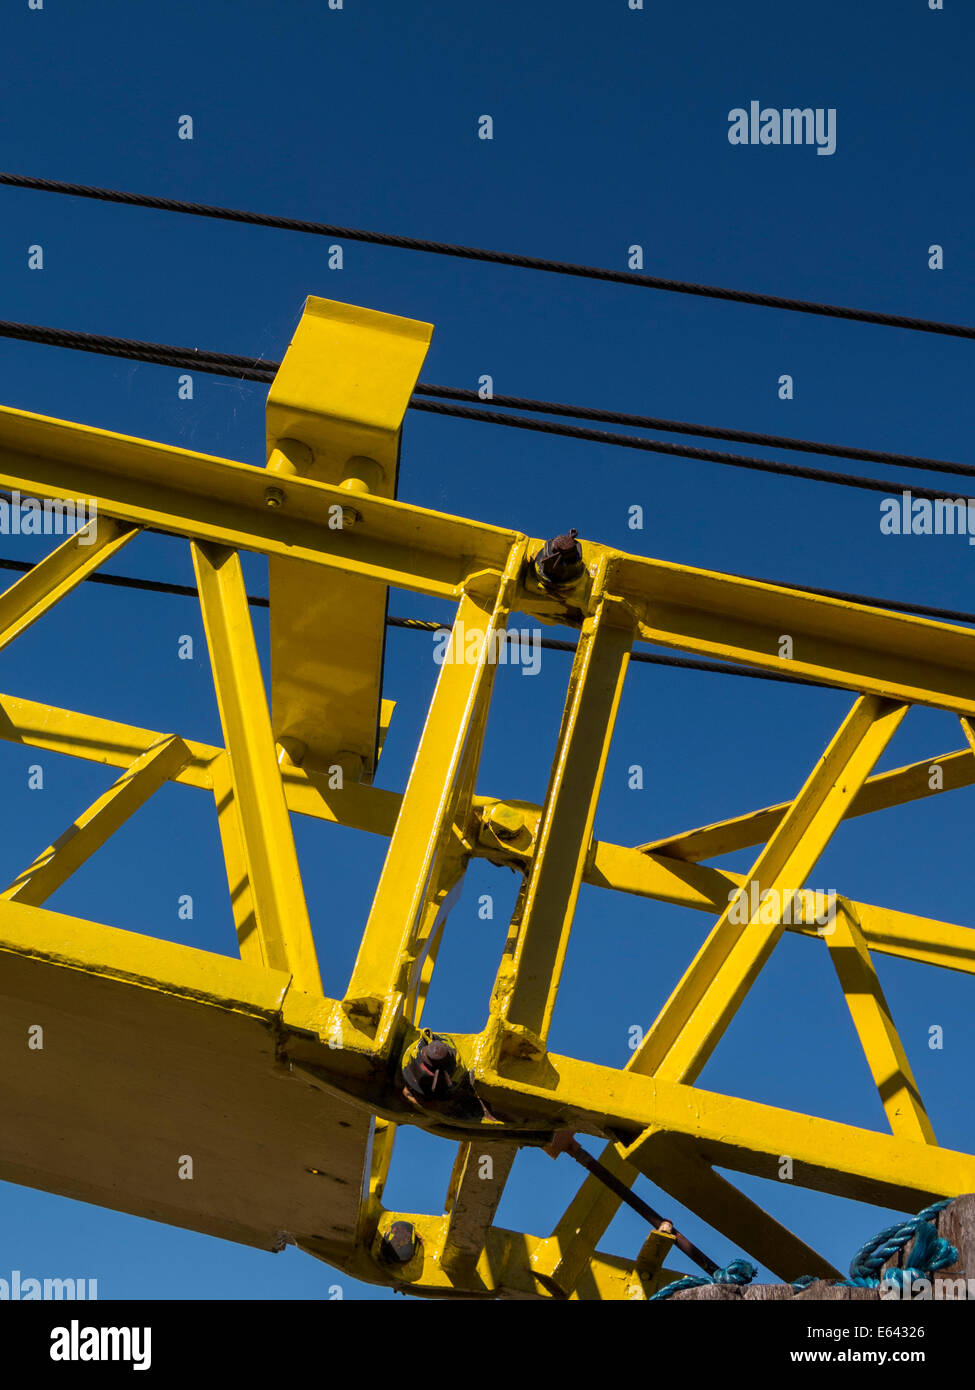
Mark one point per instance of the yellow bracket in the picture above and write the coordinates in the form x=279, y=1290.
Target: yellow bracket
x=337, y=424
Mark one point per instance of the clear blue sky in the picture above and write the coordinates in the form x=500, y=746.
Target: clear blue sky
x=610, y=128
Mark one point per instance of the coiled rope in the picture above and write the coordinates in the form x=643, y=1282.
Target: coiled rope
x=929, y=1252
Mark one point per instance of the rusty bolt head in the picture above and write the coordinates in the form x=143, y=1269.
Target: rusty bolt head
x=400, y=1243
x=560, y=563
x=565, y=545
x=428, y=1074
x=438, y=1056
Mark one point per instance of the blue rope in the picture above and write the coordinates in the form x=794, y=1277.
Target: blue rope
x=929, y=1252
x=738, y=1272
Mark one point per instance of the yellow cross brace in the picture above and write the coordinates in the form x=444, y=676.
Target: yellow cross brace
x=54, y=865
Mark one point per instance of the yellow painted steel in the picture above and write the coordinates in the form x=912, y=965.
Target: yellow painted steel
x=387, y=959
x=294, y=1097
x=152, y=1051
x=476, y=1187
x=57, y=574
x=340, y=427
x=374, y=810
x=93, y=827
x=839, y=643
x=871, y=1016
x=878, y=793
x=249, y=940
x=528, y=980
x=692, y=1021
x=267, y=842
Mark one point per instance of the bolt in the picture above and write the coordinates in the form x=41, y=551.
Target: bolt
x=567, y=544
x=506, y=823
x=273, y=497
x=400, y=1243
x=428, y=1074
x=560, y=563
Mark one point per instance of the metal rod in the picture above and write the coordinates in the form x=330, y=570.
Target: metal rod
x=565, y=1143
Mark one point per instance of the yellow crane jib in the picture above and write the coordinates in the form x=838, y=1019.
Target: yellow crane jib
x=286, y=1096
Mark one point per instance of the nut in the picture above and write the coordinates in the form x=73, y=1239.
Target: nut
x=399, y=1244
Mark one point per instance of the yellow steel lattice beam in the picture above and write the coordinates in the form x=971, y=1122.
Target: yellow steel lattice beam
x=306, y=1056
x=267, y=842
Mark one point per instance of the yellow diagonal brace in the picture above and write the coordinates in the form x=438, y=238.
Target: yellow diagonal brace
x=268, y=843
x=249, y=938
x=380, y=1158
x=886, y=789
x=430, y=934
x=381, y=977
x=882, y=1046
x=969, y=732
x=567, y=1251
x=54, y=865
x=58, y=573
x=526, y=986
x=691, y=1023
x=476, y=1187
x=36, y=725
